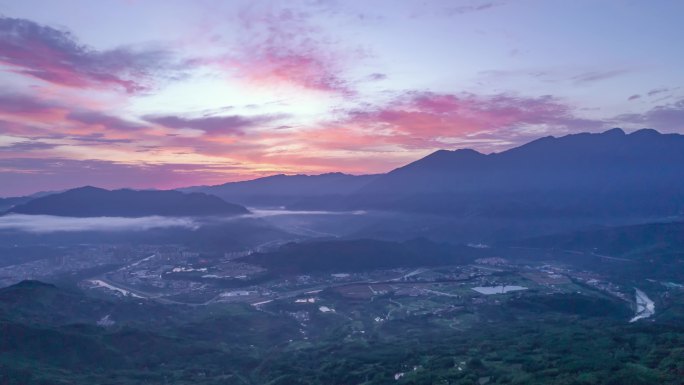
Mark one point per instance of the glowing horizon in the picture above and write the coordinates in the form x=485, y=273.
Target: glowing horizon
x=165, y=94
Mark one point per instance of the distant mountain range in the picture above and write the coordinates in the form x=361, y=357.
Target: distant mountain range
x=605, y=175
x=609, y=174
x=290, y=191
x=96, y=202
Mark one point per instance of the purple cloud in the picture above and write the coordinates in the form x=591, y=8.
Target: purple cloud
x=669, y=117
x=377, y=76
x=657, y=91
x=55, y=56
x=98, y=138
x=463, y=9
x=233, y=124
x=21, y=104
x=26, y=110
x=451, y=8
x=593, y=76
x=27, y=146
x=94, y=118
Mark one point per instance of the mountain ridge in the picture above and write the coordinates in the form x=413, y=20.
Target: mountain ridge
x=575, y=172
x=89, y=201
x=607, y=173
x=291, y=191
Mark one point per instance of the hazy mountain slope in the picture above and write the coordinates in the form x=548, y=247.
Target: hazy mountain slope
x=94, y=202
x=623, y=241
x=8, y=203
x=653, y=251
x=288, y=190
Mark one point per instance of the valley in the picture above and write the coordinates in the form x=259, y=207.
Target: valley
x=324, y=192
x=303, y=281
x=493, y=316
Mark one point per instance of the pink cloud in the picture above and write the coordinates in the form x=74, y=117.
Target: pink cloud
x=384, y=136
x=282, y=47
x=21, y=115
x=371, y=139
x=432, y=120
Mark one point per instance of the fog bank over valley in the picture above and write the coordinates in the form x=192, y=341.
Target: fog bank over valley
x=49, y=223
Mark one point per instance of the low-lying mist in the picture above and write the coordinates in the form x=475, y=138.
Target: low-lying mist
x=49, y=223
x=260, y=213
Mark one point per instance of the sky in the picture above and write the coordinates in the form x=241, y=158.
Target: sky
x=165, y=94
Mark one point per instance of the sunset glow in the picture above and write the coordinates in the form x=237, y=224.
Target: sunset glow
x=164, y=94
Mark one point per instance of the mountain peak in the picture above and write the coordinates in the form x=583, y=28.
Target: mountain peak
x=444, y=158
x=463, y=153
x=615, y=131
x=88, y=188
x=645, y=132
x=598, y=166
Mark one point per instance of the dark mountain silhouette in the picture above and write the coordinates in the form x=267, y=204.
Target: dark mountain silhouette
x=94, y=202
x=606, y=174
x=292, y=191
